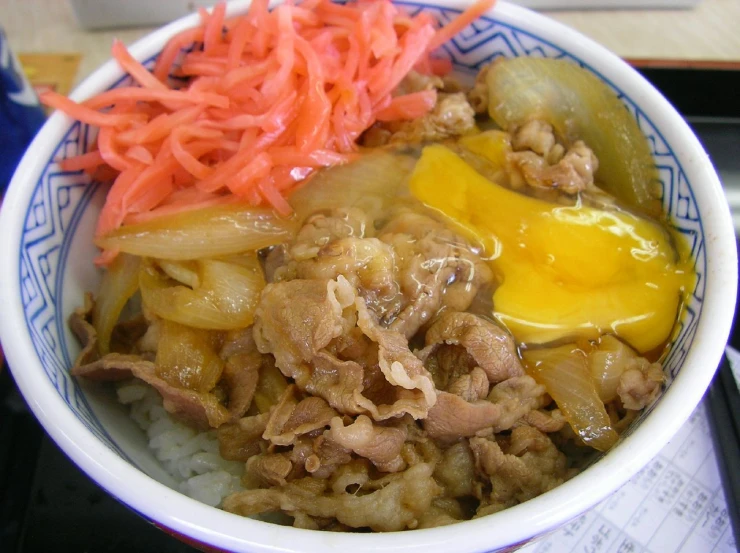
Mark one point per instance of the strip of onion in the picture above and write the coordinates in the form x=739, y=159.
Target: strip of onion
x=606, y=365
x=209, y=232
x=119, y=283
x=186, y=357
x=226, y=298
x=371, y=183
x=185, y=272
x=564, y=373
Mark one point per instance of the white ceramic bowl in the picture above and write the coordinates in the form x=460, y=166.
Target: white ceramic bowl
x=46, y=257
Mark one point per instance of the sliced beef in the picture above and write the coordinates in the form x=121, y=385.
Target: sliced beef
x=242, y=439
x=397, y=504
x=437, y=269
x=289, y=261
x=271, y=469
x=240, y=376
x=452, y=417
x=340, y=383
x=621, y=373
x=544, y=420
x=400, y=367
x=380, y=444
x=200, y=410
x=545, y=163
x=520, y=389
x=292, y=417
x=471, y=387
x=538, y=137
x=452, y=115
x=367, y=263
x=488, y=345
x=325, y=457
x=414, y=268
x=640, y=384
x=455, y=471
x=442, y=512
x=529, y=467
x=298, y=334
x=295, y=320
x=79, y=323
x=418, y=82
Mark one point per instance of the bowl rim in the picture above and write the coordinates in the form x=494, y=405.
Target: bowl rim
x=217, y=528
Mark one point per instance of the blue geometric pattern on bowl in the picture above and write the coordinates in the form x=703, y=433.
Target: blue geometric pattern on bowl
x=60, y=198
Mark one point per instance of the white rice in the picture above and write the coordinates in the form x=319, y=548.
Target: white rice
x=189, y=456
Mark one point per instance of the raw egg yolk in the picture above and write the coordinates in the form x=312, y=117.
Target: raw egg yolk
x=564, y=271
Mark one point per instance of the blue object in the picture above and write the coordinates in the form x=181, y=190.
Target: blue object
x=21, y=115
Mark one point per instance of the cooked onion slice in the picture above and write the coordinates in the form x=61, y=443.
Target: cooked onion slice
x=606, y=365
x=119, y=283
x=580, y=107
x=564, y=373
x=185, y=272
x=370, y=183
x=225, y=299
x=209, y=232
x=186, y=357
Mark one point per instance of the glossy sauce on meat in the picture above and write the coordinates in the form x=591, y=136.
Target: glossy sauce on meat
x=449, y=330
